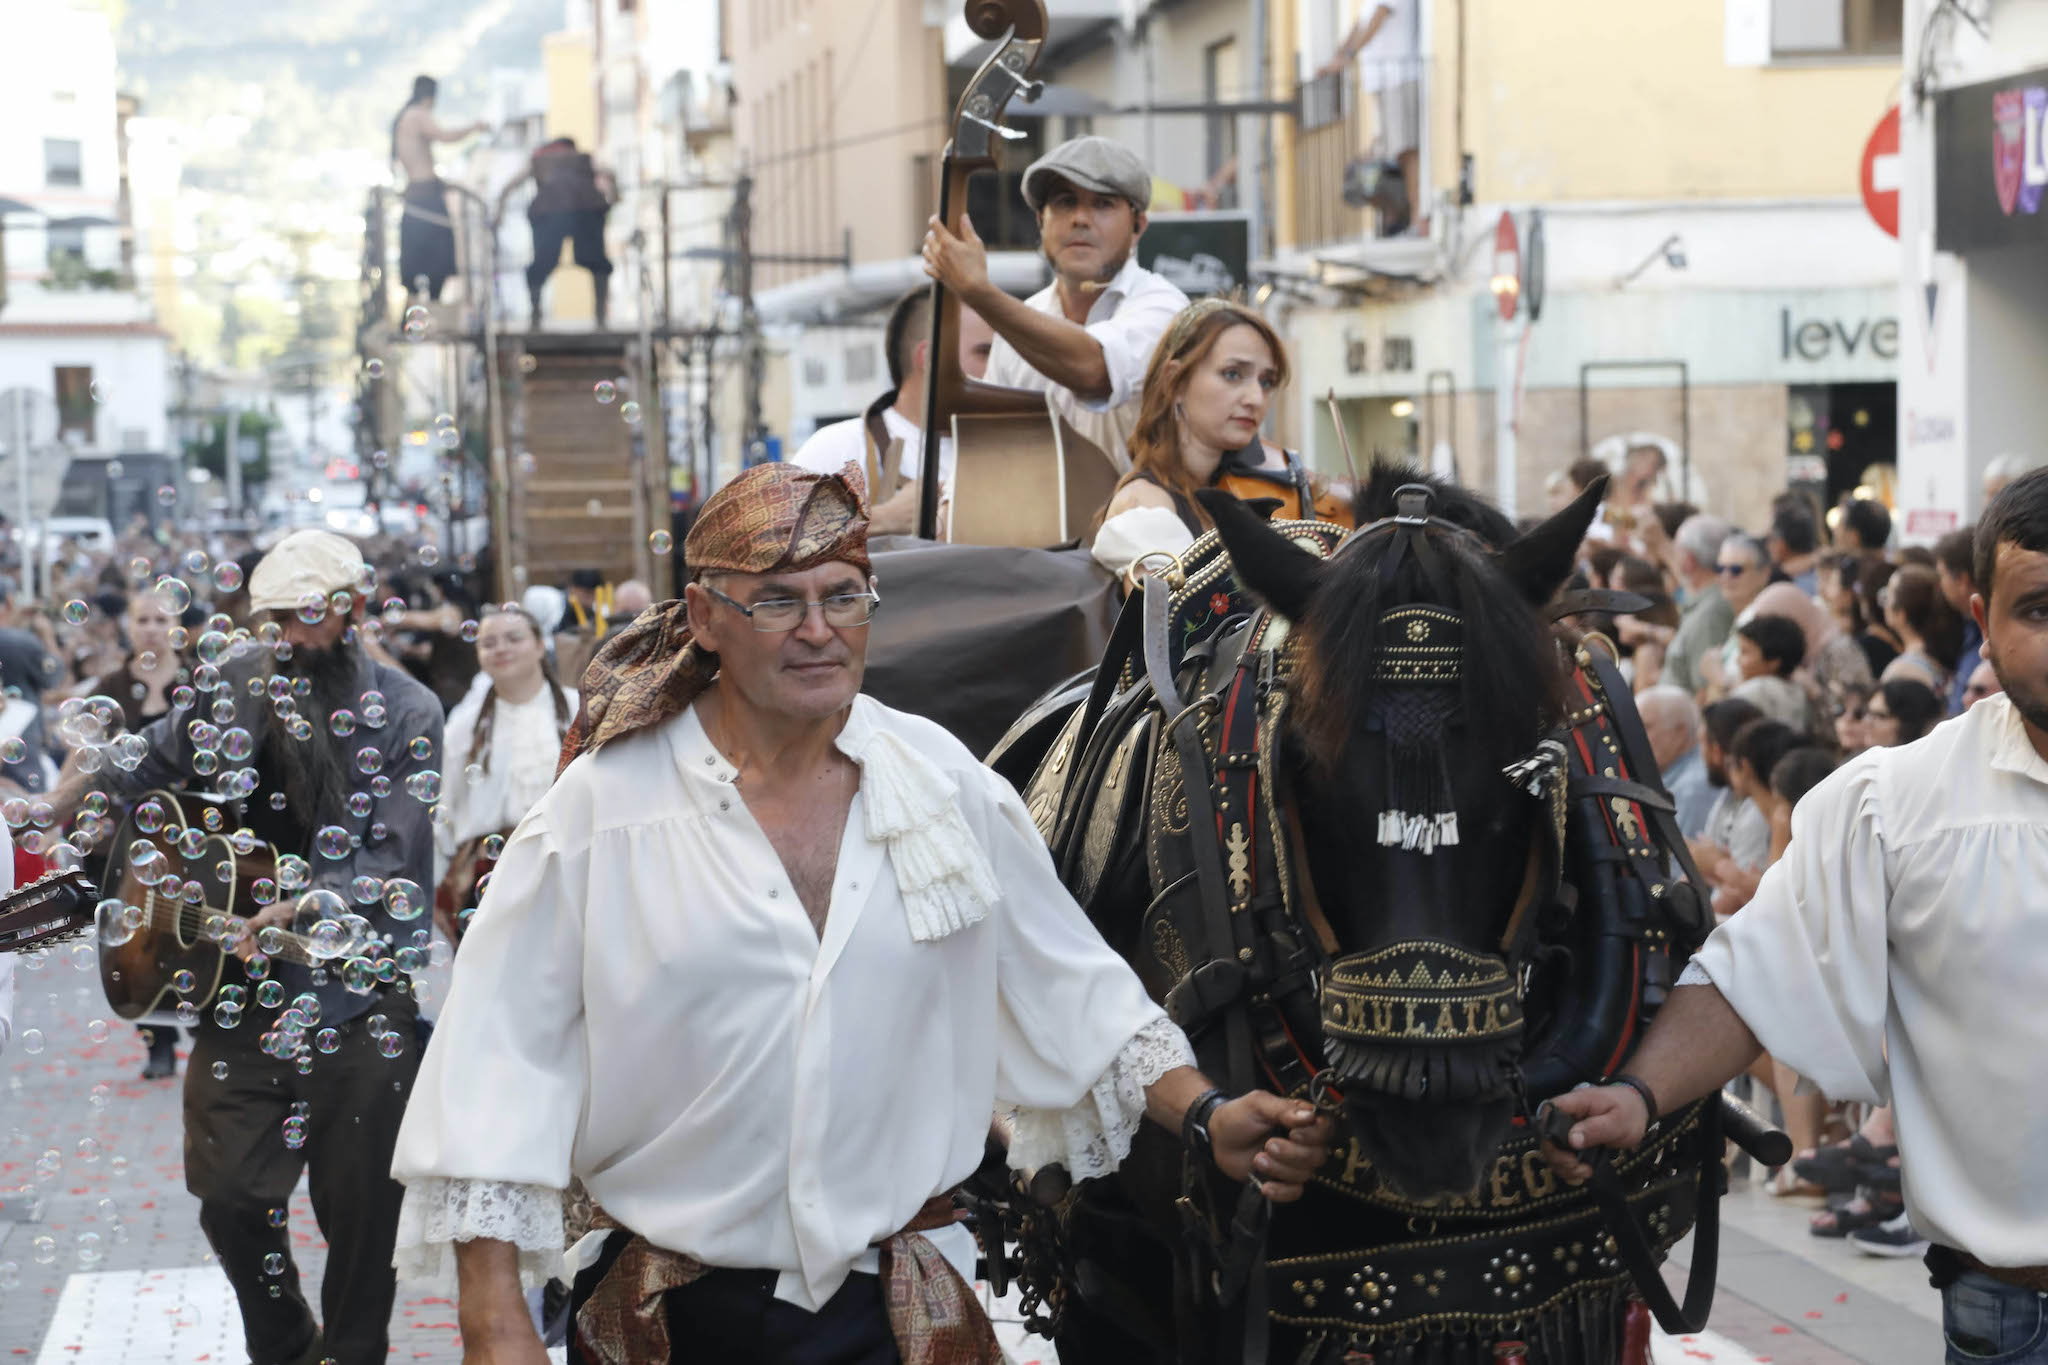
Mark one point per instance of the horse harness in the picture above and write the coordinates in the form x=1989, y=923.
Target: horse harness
x=1247, y=964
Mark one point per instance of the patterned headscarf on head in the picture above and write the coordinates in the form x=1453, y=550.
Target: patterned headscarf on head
x=773, y=518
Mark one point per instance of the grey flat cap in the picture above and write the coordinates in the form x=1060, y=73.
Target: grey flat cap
x=1092, y=163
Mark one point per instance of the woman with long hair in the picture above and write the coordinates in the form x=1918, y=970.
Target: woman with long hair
x=1929, y=631
x=1205, y=398
x=501, y=746
x=141, y=686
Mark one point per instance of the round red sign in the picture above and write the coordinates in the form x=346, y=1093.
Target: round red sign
x=1881, y=170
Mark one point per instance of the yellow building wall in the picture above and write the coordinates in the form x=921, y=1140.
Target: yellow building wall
x=1619, y=100
x=572, y=112
x=1632, y=99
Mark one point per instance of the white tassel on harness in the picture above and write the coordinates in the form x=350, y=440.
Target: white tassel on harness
x=1538, y=770
x=912, y=806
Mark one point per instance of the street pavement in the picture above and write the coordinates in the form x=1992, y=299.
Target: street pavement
x=102, y=1261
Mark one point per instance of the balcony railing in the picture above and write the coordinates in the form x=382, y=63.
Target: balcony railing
x=1354, y=126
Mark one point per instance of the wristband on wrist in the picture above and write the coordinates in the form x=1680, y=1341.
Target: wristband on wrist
x=1194, y=1126
x=1642, y=1089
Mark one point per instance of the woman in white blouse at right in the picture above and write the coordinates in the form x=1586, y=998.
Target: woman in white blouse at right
x=499, y=755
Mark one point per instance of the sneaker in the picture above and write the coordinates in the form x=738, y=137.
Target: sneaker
x=1894, y=1237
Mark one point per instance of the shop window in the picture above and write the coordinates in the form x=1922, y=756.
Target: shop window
x=63, y=161
x=1829, y=28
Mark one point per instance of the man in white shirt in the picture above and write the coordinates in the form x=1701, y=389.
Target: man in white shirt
x=897, y=415
x=1085, y=339
x=1896, y=953
x=757, y=971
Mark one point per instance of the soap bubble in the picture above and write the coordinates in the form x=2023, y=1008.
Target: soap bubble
x=32, y=1041
x=332, y=842
x=429, y=555
x=277, y=1217
x=317, y=918
x=173, y=593
x=424, y=787
x=76, y=612
x=629, y=413
x=390, y=1045
x=421, y=747
x=327, y=1040
x=359, y=803
x=661, y=542
x=368, y=760
x=313, y=608
x=182, y=981
x=13, y=751
x=373, y=368
x=404, y=900
x=342, y=722
x=44, y=1249
x=605, y=390
x=195, y=564
x=167, y=494
x=220, y=1069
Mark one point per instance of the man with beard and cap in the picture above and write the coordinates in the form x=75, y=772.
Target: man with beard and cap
x=757, y=971
x=1085, y=339
x=1895, y=953
x=340, y=770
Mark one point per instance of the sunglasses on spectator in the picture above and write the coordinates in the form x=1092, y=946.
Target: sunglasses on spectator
x=1733, y=569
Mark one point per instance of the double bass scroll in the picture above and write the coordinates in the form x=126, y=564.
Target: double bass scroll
x=1026, y=475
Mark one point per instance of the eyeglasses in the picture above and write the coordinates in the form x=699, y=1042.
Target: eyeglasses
x=781, y=614
x=1733, y=570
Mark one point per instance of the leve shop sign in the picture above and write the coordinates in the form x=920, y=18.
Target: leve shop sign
x=1991, y=163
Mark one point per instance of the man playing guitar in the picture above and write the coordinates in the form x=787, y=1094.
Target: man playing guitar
x=337, y=766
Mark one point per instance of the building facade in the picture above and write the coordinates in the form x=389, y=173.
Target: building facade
x=1973, y=243
x=1688, y=260
x=79, y=344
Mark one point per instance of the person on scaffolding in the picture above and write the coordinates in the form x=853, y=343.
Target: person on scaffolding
x=426, y=235
x=570, y=200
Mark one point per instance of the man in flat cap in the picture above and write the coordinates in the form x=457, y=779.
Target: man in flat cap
x=757, y=972
x=301, y=1064
x=1086, y=338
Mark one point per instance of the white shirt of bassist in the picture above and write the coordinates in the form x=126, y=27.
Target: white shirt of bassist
x=1127, y=319
x=748, y=1104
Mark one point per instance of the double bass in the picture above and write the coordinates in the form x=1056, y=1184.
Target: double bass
x=1023, y=477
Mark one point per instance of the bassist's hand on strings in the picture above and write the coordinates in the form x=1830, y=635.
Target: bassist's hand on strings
x=958, y=262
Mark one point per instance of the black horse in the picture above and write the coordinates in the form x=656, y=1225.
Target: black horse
x=1366, y=823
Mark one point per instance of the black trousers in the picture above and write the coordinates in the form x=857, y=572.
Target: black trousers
x=732, y=1317
x=583, y=230
x=241, y=1166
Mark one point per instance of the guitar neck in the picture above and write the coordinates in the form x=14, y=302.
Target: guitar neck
x=187, y=920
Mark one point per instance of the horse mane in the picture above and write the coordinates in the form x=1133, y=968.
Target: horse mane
x=1511, y=679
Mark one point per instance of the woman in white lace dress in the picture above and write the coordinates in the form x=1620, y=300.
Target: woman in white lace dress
x=502, y=744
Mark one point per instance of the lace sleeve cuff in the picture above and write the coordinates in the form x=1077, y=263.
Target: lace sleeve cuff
x=438, y=1212
x=1093, y=1137
x=1694, y=974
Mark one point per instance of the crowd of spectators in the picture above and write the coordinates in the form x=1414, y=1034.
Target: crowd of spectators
x=127, y=622
x=1762, y=663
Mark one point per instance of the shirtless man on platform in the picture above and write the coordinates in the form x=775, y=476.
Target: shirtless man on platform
x=426, y=235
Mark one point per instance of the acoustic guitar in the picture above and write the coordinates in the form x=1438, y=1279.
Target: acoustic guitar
x=1022, y=476
x=170, y=948
x=54, y=907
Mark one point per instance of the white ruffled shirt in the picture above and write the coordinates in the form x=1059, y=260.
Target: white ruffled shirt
x=1896, y=953
x=643, y=1003
x=526, y=746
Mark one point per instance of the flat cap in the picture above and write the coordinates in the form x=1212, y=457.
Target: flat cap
x=304, y=563
x=1092, y=163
